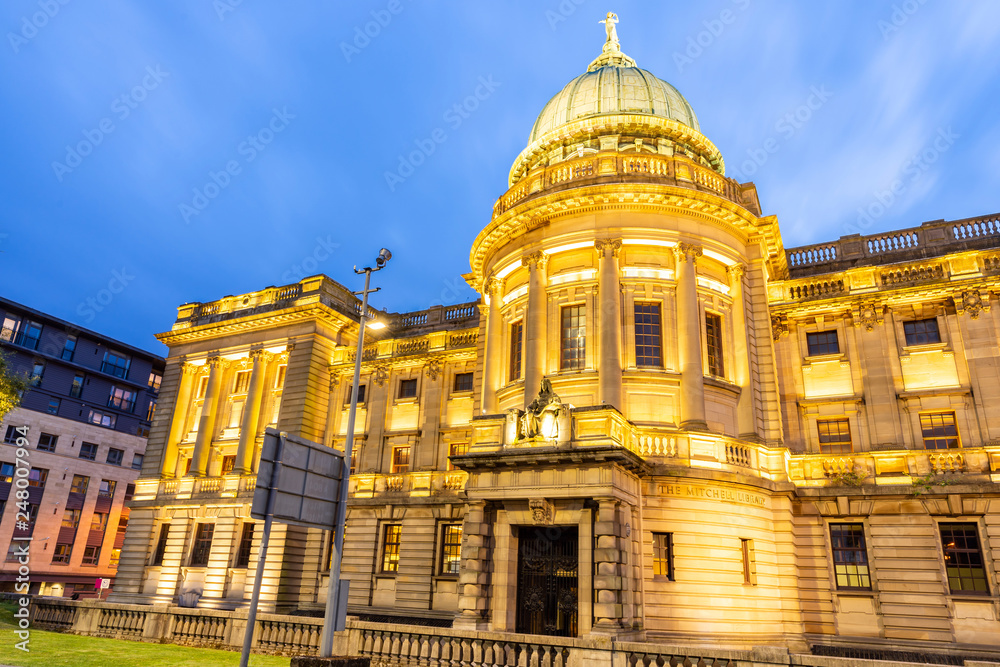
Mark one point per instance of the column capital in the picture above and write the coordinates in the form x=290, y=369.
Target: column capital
x=217, y=362
x=605, y=246
x=492, y=286
x=687, y=252
x=736, y=273
x=538, y=258
x=259, y=353
x=189, y=368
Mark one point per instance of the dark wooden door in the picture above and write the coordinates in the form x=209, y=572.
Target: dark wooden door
x=547, y=566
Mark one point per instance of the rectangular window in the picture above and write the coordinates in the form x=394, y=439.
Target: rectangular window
x=361, y=394
x=107, y=489
x=47, y=442
x=122, y=399
x=154, y=380
x=713, y=340
x=202, y=386
x=823, y=342
x=37, y=372
x=137, y=461
x=246, y=545
x=516, y=336
x=116, y=555
x=115, y=456
x=37, y=477
x=451, y=548
x=11, y=436
x=457, y=449
x=80, y=484
x=279, y=378
x=574, y=338
x=834, y=436
x=105, y=419
x=236, y=413
x=88, y=451
x=161, y=544
x=151, y=410
x=922, y=332
x=30, y=334
x=648, y=336
x=6, y=472
x=749, y=564
x=963, y=559
x=115, y=364
x=91, y=555
x=663, y=556
x=463, y=382
x=71, y=519
x=53, y=407
x=99, y=521
x=61, y=554
x=850, y=558
x=407, y=388
x=202, y=544
x=939, y=430
x=400, y=459
x=69, y=348
x=77, y=389
x=228, y=463
x=242, y=382
x=390, y=548
x=10, y=324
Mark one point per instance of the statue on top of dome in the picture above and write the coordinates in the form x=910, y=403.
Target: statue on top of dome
x=612, y=43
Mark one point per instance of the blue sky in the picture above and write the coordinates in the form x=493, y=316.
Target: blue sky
x=290, y=117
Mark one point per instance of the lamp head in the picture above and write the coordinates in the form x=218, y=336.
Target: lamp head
x=383, y=256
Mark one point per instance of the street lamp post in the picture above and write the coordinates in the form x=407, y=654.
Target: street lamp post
x=333, y=603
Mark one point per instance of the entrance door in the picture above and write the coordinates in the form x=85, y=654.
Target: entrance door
x=547, y=561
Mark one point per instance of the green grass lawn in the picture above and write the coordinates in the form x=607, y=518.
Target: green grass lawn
x=55, y=649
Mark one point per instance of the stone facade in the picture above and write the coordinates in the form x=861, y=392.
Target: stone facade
x=747, y=445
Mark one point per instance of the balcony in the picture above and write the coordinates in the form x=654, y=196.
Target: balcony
x=913, y=468
x=27, y=339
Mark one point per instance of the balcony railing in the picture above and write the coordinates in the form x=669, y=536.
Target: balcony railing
x=928, y=240
x=25, y=339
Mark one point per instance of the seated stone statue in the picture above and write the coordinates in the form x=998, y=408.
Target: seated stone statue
x=542, y=415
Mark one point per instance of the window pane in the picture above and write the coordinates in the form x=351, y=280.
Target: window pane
x=516, y=335
x=574, y=354
x=963, y=559
x=939, y=430
x=834, y=436
x=713, y=339
x=390, y=547
x=922, y=332
x=400, y=459
x=824, y=342
x=850, y=558
x=451, y=548
x=202, y=544
x=663, y=555
x=648, y=340
x=407, y=388
x=463, y=382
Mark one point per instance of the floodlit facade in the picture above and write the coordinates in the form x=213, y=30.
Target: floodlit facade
x=657, y=423
x=82, y=425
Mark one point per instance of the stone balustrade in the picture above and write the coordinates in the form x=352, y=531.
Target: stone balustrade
x=435, y=341
x=676, y=170
x=406, y=645
x=409, y=484
x=928, y=240
x=896, y=467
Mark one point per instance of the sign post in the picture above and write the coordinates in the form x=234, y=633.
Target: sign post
x=298, y=482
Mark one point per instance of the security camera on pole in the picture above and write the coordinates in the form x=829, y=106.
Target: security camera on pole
x=332, y=620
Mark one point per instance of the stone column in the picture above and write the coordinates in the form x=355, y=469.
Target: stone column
x=178, y=421
x=689, y=339
x=472, y=575
x=208, y=418
x=609, y=569
x=610, y=322
x=745, y=423
x=251, y=413
x=494, y=348
x=534, y=325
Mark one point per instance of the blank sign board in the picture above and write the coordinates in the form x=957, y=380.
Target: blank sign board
x=308, y=485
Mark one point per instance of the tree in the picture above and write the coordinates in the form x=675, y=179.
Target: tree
x=12, y=386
